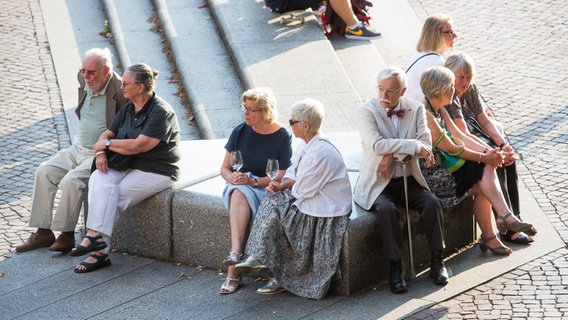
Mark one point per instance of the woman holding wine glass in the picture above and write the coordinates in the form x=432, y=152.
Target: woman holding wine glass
x=259, y=138
x=299, y=228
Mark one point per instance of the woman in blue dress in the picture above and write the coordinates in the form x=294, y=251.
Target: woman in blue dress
x=259, y=138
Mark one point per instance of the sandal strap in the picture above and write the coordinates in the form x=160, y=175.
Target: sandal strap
x=94, y=239
x=99, y=258
x=233, y=279
x=238, y=254
x=504, y=218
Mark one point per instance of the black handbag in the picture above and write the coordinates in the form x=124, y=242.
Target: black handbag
x=475, y=128
x=118, y=161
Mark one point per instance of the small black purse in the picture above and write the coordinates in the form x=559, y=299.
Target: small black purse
x=115, y=161
x=118, y=161
x=475, y=128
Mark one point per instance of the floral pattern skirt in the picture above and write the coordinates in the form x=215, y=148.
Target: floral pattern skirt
x=452, y=188
x=302, y=251
x=441, y=183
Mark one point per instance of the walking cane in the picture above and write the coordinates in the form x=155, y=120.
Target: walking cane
x=411, y=252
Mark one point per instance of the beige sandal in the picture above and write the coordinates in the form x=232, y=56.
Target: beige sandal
x=227, y=288
x=232, y=259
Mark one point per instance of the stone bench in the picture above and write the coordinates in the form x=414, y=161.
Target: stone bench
x=201, y=234
x=139, y=229
x=189, y=223
x=146, y=229
x=362, y=261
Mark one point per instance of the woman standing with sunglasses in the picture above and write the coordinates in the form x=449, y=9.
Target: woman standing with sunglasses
x=436, y=39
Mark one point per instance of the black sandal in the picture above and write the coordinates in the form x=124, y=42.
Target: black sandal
x=522, y=238
x=95, y=245
x=531, y=231
x=102, y=261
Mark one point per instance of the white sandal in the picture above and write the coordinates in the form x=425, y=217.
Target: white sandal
x=232, y=259
x=227, y=288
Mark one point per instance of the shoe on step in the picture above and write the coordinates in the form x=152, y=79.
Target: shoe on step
x=362, y=32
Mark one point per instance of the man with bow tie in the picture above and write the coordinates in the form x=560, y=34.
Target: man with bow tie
x=392, y=128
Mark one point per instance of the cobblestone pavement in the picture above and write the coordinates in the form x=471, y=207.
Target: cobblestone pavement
x=520, y=50
x=32, y=123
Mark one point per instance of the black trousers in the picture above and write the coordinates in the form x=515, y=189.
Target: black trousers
x=303, y=4
x=508, y=182
x=419, y=199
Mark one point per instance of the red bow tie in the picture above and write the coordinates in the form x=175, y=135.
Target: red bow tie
x=398, y=113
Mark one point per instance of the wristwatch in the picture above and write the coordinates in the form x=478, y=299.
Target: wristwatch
x=107, y=144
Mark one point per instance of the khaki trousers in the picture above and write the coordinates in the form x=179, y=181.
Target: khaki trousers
x=69, y=171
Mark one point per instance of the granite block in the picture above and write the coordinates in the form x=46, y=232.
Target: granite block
x=362, y=262
x=146, y=228
x=201, y=230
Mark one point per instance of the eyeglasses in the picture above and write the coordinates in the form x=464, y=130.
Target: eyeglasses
x=88, y=72
x=293, y=122
x=451, y=33
x=127, y=84
x=389, y=91
x=246, y=109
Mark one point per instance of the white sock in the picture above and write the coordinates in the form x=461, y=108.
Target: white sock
x=355, y=26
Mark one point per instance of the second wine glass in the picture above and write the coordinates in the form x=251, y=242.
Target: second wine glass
x=236, y=160
x=272, y=168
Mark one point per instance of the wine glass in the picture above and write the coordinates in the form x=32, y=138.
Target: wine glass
x=236, y=160
x=272, y=168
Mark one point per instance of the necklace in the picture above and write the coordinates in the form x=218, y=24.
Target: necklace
x=431, y=109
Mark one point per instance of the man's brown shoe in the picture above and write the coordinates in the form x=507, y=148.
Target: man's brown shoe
x=35, y=241
x=64, y=243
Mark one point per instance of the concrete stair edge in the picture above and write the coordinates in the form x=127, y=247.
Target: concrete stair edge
x=311, y=35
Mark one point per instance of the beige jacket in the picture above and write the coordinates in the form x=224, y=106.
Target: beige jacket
x=379, y=137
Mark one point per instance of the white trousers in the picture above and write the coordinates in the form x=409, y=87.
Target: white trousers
x=68, y=170
x=112, y=193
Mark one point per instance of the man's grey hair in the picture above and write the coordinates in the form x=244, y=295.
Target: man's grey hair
x=102, y=53
x=393, y=72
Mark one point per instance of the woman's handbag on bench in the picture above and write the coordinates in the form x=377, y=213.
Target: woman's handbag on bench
x=115, y=160
x=451, y=160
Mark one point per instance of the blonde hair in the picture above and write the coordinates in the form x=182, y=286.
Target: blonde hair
x=264, y=100
x=431, y=38
x=436, y=80
x=310, y=111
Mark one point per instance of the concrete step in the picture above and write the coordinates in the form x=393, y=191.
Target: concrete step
x=243, y=46
x=204, y=63
x=295, y=61
x=130, y=22
x=223, y=49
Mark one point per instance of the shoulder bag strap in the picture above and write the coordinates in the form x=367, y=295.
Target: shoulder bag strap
x=427, y=54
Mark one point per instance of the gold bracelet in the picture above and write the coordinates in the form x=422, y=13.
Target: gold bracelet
x=99, y=152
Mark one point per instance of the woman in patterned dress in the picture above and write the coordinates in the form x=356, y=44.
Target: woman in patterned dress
x=298, y=231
